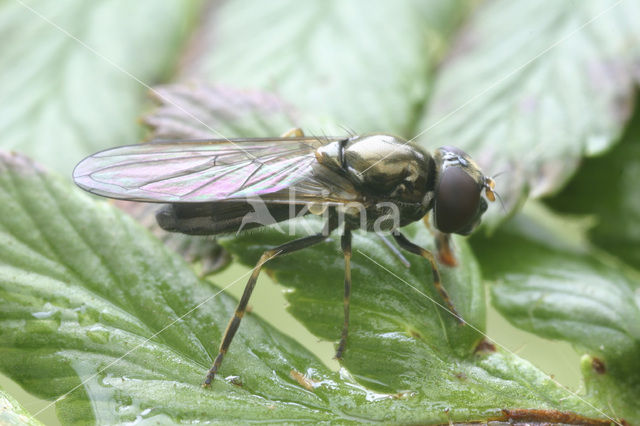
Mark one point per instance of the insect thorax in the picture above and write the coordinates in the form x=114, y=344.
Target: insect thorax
x=396, y=179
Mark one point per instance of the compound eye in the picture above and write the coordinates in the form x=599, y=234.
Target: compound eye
x=457, y=200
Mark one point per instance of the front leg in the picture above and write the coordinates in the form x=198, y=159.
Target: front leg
x=415, y=249
x=295, y=132
x=443, y=244
x=445, y=251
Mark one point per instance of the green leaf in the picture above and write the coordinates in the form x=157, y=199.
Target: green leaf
x=203, y=250
x=531, y=87
x=549, y=281
x=82, y=286
x=11, y=413
x=319, y=305
x=398, y=337
x=606, y=188
x=378, y=276
x=362, y=64
x=99, y=314
x=58, y=95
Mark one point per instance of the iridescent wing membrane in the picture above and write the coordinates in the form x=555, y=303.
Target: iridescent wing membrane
x=278, y=170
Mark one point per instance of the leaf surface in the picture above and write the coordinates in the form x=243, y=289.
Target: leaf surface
x=12, y=413
x=550, y=281
x=95, y=309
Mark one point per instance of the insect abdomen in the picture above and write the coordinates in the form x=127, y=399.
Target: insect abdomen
x=220, y=217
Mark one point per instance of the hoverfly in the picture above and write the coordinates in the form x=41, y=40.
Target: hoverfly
x=209, y=186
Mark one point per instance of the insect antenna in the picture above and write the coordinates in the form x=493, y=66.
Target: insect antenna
x=504, y=210
x=499, y=173
x=496, y=192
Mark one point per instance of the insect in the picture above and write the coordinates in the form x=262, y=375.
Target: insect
x=377, y=182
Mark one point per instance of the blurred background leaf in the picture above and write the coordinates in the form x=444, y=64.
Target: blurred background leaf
x=531, y=87
x=607, y=189
x=62, y=101
x=365, y=65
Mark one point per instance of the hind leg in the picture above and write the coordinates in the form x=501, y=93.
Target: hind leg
x=234, y=323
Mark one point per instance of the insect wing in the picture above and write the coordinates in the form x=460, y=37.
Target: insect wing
x=205, y=170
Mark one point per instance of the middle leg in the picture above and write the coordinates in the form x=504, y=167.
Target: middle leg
x=413, y=248
x=346, y=250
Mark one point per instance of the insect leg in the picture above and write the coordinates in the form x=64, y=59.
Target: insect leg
x=445, y=252
x=395, y=250
x=293, y=133
x=234, y=323
x=346, y=250
x=443, y=244
x=415, y=249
